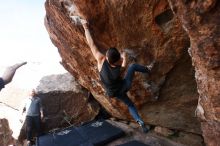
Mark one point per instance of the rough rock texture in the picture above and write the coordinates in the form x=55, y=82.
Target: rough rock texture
x=178, y=98
x=5, y=133
x=149, y=31
x=163, y=131
x=65, y=101
x=201, y=21
x=132, y=132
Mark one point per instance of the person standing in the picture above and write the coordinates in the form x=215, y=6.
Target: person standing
x=34, y=114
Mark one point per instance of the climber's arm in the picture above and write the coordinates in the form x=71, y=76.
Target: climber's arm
x=96, y=53
x=124, y=59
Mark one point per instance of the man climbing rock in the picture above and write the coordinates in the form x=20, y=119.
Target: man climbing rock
x=9, y=74
x=109, y=67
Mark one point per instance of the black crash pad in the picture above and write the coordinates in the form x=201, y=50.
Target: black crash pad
x=95, y=133
x=66, y=137
x=134, y=143
x=100, y=132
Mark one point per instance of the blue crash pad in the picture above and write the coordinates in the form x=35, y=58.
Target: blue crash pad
x=100, y=132
x=66, y=137
x=95, y=133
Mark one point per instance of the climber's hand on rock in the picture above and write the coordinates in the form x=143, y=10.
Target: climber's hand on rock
x=123, y=55
x=83, y=22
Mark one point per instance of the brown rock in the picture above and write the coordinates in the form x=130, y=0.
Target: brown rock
x=133, y=132
x=178, y=98
x=65, y=101
x=188, y=139
x=5, y=133
x=163, y=131
x=136, y=134
x=149, y=31
x=201, y=21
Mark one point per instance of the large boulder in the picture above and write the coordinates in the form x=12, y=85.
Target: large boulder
x=65, y=102
x=150, y=32
x=201, y=21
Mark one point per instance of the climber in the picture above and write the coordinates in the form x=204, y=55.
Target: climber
x=9, y=74
x=109, y=66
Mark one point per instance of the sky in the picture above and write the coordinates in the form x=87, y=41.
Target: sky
x=23, y=37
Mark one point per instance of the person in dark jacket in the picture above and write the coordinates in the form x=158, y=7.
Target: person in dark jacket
x=109, y=67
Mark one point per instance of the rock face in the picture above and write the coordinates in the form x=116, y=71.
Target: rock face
x=65, y=101
x=5, y=133
x=150, y=32
x=201, y=21
x=154, y=137
x=133, y=133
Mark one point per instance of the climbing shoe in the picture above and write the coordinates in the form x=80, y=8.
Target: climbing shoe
x=151, y=65
x=145, y=128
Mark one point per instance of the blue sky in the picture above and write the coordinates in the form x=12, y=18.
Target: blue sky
x=23, y=37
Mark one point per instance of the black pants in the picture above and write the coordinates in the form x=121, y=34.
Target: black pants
x=33, y=124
